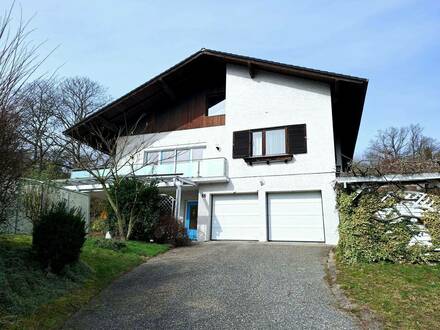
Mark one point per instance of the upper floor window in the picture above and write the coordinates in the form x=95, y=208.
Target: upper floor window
x=167, y=156
x=269, y=142
x=183, y=155
x=215, y=104
x=275, y=141
x=257, y=143
x=152, y=158
x=197, y=153
x=171, y=156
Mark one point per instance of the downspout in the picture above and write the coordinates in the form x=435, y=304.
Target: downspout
x=177, y=202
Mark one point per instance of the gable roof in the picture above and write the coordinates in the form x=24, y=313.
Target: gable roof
x=348, y=92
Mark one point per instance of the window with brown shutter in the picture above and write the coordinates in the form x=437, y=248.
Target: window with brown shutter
x=241, y=144
x=270, y=144
x=296, y=139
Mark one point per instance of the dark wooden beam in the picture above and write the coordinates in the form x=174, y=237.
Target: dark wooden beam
x=167, y=89
x=336, y=91
x=251, y=68
x=109, y=125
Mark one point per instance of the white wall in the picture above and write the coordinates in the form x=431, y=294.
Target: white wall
x=271, y=100
x=264, y=185
x=268, y=100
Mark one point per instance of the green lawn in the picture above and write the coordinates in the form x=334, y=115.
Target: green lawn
x=403, y=296
x=29, y=299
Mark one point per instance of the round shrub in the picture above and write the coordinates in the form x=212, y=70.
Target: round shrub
x=170, y=231
x=58, y=237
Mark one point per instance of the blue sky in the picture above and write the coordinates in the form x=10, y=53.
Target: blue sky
x=121, y=44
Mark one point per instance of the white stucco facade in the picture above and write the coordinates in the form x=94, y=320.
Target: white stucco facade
x=267, y=100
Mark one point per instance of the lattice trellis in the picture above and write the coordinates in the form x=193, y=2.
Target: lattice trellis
x=412, y=205
x=166, y=204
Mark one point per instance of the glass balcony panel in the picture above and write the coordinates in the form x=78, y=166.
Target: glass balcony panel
x=204, y=168
x=212, y=167
x=188, y=169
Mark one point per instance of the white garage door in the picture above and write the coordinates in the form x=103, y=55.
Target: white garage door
x=235, y=217
x=295, y=217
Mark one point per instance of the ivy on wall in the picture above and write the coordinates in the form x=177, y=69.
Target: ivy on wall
x=371, y=230
x=431, y=219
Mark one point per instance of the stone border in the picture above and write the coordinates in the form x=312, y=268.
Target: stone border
x=367, y=319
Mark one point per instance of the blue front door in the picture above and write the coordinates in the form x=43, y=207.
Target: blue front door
x=191, y=219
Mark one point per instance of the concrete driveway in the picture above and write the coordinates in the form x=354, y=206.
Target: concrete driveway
x=224, y=285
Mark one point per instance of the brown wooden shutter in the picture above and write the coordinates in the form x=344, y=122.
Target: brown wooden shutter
x=296, y=139
x=241, y=144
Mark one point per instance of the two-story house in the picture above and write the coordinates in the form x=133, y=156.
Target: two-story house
x=257, y=144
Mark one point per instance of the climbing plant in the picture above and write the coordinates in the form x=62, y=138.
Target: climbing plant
x=431, y=219
x=371, y=229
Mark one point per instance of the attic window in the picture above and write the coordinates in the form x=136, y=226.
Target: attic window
x=215, y=104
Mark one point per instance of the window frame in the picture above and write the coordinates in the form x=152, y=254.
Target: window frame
x=174, y=158
x=263, y=141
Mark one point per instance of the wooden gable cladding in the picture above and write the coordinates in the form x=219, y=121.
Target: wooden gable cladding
x=187, y=113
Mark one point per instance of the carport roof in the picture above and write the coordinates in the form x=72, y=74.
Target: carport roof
x=91, y=184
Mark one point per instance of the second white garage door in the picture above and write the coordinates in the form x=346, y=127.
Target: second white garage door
x=235, y=217
x=295, y=216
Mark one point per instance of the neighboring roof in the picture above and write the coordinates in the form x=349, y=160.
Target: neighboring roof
x=151, y=91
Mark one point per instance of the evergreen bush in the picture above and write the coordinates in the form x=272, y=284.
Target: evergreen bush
x=58, y=237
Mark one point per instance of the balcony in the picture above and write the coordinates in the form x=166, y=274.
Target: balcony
x=205, y=170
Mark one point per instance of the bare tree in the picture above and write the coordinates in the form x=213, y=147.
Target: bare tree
x=390, y=143
x=404, y=143
x=79, y=97
x=18, y=62
x=18, y=58
x=11, y=160
x=404, y=150
x=38, y=106
x=123, y=159
x=420, y=146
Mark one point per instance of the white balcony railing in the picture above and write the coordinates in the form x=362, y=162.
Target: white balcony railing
x=204, y=168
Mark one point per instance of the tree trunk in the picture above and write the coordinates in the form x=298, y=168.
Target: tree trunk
x=120, y=219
